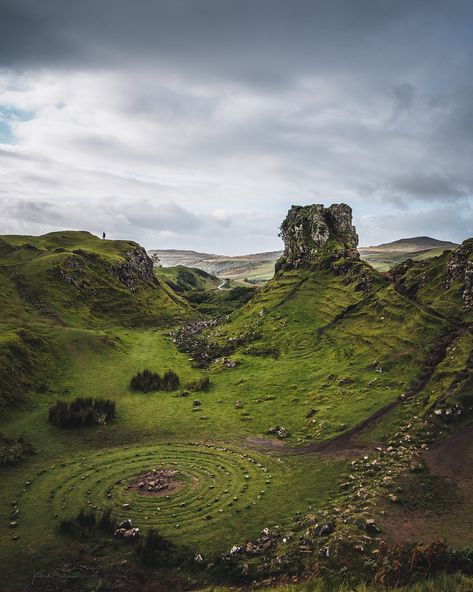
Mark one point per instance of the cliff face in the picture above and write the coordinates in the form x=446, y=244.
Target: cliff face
x=138, y=267
x=311, y=231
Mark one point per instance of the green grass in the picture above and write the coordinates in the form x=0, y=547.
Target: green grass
x=151, y=430
x=331, y=350
x=442, y=583
x=343, y=350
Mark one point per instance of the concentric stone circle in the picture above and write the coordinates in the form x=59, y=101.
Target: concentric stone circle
x=216, y=483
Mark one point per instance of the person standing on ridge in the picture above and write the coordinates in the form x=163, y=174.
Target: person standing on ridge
x=103, y=235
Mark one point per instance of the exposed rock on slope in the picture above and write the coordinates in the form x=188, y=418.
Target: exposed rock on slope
x=311, y=231
x=74, y=277
x=137, y=267
x=460, y=267
x=444, y=282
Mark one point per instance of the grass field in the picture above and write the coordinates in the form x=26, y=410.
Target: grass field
x=442, y=583
x=315, y=352
x=76, y=468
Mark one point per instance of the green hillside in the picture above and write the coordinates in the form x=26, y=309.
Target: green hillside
x=309, y=421
x=64, y=281
x=206, y=293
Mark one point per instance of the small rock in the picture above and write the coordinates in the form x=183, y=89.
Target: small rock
x=324, y=528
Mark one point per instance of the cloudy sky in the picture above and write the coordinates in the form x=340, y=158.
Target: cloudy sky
x=197, y=123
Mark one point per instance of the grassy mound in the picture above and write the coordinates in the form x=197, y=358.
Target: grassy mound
x=71, y=280
x=24, y=365
x=76, y=278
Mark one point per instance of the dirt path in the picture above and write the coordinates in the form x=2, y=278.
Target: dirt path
x=345, y=444
x=342, y=445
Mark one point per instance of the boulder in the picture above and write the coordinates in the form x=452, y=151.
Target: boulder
x=131, y=533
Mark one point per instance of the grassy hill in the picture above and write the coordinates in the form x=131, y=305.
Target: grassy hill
x=74, y=277
x=335, y=394
x=71, y=280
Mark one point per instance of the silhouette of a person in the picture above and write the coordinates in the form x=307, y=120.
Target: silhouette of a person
x=103, y=235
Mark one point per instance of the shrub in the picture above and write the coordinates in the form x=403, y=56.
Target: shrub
x=13, y=450
x=155, y=550
x=86, y=522
x=199, y=384
x=414, y=561
x=147, y=381
x=171, y=381
x=82, y=411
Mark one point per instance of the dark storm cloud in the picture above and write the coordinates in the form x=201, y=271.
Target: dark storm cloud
x=260, y=42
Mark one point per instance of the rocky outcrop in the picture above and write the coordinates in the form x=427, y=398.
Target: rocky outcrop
x=310, y=232
x=408, y=284
x=460, y=267
x=136, y=268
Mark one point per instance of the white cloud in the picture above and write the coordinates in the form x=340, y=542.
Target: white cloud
x=179, y=134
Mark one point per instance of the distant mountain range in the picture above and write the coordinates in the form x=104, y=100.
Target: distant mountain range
x=259, y=267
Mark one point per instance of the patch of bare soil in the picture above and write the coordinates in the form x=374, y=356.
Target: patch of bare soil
x=439, y=504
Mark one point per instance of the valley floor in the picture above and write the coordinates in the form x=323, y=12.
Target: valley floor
x=252, y=490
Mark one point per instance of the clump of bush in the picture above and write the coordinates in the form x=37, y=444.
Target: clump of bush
x=13, y=450
x=87, y=522
x=82, y=411
x=199, y=384
x=416, y=561
x=155, y=550
x=147, y=381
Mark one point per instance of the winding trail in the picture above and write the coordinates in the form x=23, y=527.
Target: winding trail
x=221, y=286
x=345, y=445
x=342, y=445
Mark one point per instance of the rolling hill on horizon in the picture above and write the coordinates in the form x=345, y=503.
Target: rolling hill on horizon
x=259, y=267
